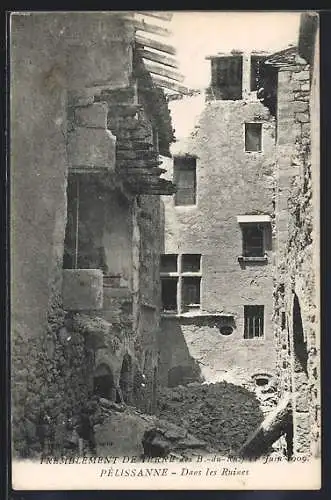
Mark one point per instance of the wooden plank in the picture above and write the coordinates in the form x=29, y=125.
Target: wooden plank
x=154, y=44
x=158, y=57
x=165, y=16
x=161, y=71
x=169, y=84
x=151, y=28
x=272, y=428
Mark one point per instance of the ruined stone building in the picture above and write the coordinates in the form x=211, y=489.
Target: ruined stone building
x=297, y=300
x=88, y=123
x=137, y=262
x=239, y=269
x=217, y=267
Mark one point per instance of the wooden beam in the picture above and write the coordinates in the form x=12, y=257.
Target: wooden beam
x=165, y=16
x=156, y=171
x=171, y=85
x=154, y=44
x=151, y=28
x=159, y=58
x=161, y=71
x=272, y=428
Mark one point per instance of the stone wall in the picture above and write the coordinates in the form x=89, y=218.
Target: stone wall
x=230, y=182
x=296, y=284
x=68, y=58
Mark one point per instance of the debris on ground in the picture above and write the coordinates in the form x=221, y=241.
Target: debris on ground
x=222, y=414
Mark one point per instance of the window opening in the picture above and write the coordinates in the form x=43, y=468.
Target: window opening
x=180, y=282
x=226, y=77
x=185, y=180
x=168, y=263
x=169, y=294
x=253, y=137
x=253, y=241
x=190, y=292
x=191, y=263
x=254, y=321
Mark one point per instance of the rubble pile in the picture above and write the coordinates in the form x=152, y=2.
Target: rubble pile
x=221, y=414
x=126, y=430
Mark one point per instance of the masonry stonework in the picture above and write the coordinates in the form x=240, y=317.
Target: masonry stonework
x=230, y=182
x=296, y=278
x=74, y=130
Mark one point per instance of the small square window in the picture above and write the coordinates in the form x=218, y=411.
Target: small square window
x=254, y=321
x=168, y=263
x=253, y=137
x=191, y=263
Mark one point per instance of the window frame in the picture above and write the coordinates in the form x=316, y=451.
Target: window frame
x=261, y=137
x=176, y=170
x=180, y=275
x=248, y=317
x=246, y=227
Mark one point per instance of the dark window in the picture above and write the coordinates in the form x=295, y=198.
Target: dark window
x=168, y=263
x=226, y=78
x=190, y=292
x=253, y=241
x=191, y=263
x=185, y=180
x=254, y=321
x=169, y=294
x=185, y=278
x=257, y=70
x=253, y=137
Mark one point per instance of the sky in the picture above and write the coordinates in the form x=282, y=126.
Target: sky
x=198, y=34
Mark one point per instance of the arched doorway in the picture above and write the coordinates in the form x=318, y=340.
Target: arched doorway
x=103, y=382
x=126, y=378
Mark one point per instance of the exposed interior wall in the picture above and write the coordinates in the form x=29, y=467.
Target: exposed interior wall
x=230, y=182
x=66, y=56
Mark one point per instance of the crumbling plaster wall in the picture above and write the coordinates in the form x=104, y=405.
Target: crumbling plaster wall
x=230, y=182
x=149, y=313
x=297, y=228
x=53, y=59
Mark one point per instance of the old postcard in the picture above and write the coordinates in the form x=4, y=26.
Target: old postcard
x=165, y=310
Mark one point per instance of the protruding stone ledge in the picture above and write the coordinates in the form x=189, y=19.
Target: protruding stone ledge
x=82, y=289
x=93, y=116
x=92, y=149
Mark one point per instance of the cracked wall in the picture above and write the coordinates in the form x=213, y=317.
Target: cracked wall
x=230, y=182
x=53, y=353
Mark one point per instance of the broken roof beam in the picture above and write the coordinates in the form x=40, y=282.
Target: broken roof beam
x=165, y=16
x=159, y=58
x=150, y=28
x=154, y=44
x=171, y=85
x=161, y=71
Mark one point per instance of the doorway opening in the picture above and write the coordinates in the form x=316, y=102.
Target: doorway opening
x=103, y=383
